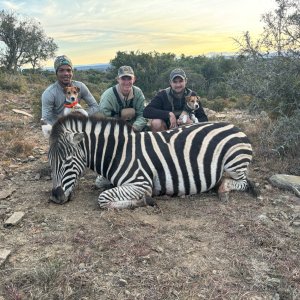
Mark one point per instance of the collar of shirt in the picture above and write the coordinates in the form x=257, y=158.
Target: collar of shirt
x=122, y=97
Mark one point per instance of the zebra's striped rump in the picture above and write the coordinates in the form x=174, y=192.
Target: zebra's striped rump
x=183, y=161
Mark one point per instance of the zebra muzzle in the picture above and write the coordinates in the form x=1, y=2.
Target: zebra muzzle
x=58, y=196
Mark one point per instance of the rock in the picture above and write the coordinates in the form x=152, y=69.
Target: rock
x=263, y=219
x=296, y=224
x=14, y=219
x=6, y=194
x=158, y=249
x=4, y=254
x=268, y=187
x=221, y=116
x=122, y=282
x=287, y=182
x=37, y=176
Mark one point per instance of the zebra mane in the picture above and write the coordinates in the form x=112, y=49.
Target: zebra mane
x=60, y=125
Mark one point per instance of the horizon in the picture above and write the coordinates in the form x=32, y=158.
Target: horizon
x=97, y=31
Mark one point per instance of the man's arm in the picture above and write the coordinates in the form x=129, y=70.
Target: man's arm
x=140, y=122
x=155, y=109
x=106, y=106
x=47, y=107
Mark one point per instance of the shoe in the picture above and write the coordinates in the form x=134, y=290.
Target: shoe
x=102, y=183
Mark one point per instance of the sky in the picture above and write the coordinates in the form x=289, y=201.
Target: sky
x=92, y=31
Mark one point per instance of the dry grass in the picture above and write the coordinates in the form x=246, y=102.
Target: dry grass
x=13, y=144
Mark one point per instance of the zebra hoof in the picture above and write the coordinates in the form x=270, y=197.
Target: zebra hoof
x=150, y=202
x=224, y=197
x=252, y=188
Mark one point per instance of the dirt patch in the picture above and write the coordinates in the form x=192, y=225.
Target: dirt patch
x=190, y=248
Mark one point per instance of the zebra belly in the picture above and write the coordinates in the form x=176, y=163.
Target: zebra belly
x=184, y=187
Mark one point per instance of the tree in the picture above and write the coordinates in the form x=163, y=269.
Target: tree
x=269, y=68
x=269, y=71
x=149, y=68
x=24, y=41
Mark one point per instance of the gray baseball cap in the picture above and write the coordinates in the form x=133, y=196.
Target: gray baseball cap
x=177, y=73
x=125, y=71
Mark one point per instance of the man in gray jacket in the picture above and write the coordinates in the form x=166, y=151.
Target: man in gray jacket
x=53, y=98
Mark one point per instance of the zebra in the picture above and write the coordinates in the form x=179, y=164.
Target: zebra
x=140, y=165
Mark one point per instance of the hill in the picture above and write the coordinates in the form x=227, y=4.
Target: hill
x=98, y=67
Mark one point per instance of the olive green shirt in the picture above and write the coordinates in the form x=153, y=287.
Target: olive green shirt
x=110, y=107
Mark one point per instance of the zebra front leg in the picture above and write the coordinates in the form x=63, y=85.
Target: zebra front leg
x=130, y=195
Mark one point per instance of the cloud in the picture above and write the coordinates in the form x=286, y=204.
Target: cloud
x=177, y=26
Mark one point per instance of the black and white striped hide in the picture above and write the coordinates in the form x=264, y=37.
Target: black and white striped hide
x=183, y=161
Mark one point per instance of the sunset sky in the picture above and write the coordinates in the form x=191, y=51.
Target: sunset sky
x=92, y=31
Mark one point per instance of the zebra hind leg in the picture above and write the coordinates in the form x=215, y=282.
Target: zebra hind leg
x=130, y=195
x=229, y=184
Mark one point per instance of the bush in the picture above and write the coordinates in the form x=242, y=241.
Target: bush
x=217, y=104
x=36, y=95
x=281, y=136
x=13, y=82
x=243, y=102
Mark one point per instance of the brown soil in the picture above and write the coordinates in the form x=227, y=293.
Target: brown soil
x=190, y=248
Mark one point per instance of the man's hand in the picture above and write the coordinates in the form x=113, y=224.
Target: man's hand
x=173, y=121
x=184, y=121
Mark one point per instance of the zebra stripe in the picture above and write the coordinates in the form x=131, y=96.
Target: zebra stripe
x=184, y=161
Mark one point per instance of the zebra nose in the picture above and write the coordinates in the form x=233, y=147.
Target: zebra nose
x=58, y=196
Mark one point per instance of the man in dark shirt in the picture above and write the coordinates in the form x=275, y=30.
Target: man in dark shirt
x=166, y=107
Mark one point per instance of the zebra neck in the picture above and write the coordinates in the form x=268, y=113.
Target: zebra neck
x=106, y=146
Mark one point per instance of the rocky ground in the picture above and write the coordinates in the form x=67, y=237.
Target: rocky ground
x=189, y=248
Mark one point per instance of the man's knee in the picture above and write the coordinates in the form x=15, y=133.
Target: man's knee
x=158, y=125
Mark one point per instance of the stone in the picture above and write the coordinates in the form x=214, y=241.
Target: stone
x=122, y=282
x=296, y=224
x=14, y=219
x=6, y=194
x=4, y=254
x=287, y=182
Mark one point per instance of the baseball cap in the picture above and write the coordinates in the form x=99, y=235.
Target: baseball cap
x=125, y=71
x=62, y=60
x=177, y=73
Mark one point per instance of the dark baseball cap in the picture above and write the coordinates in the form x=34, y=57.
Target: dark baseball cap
x=177, y=73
